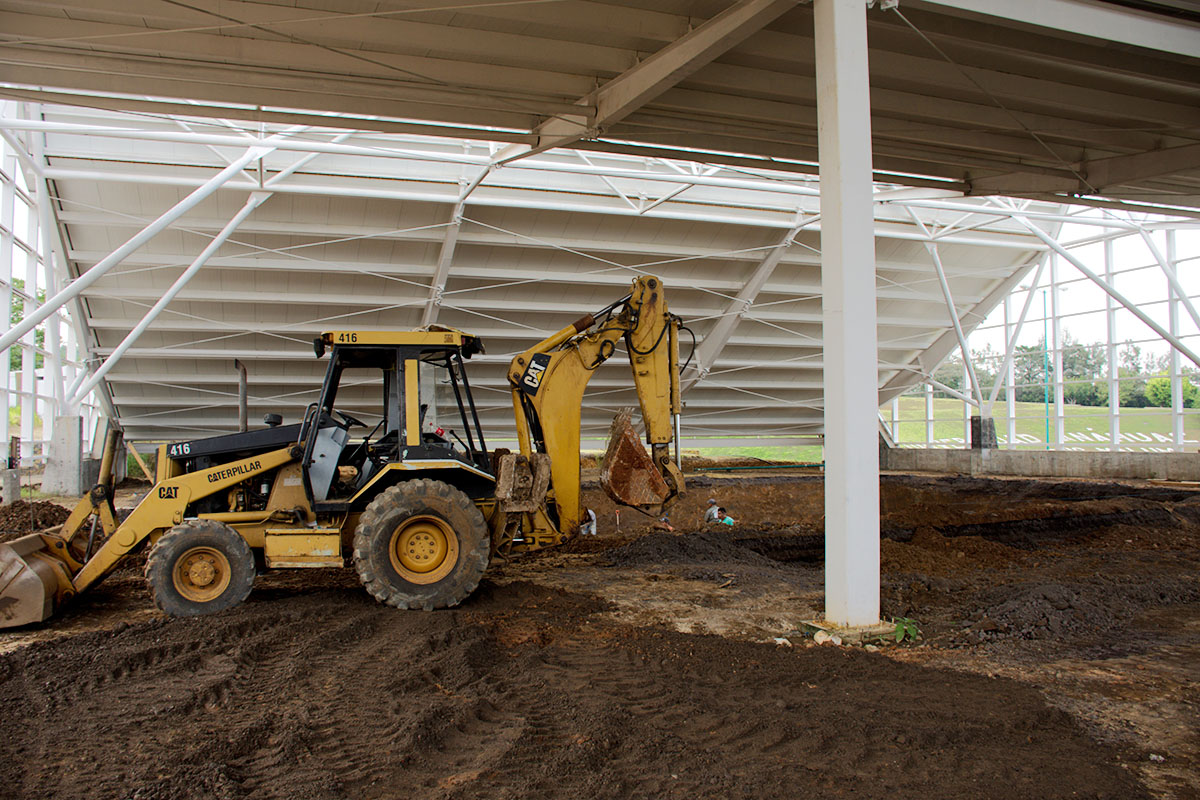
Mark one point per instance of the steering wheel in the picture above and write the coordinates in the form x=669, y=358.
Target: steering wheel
x=364, y=448
x=350, y=421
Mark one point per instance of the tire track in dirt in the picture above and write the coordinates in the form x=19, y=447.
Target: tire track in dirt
x=523, y=692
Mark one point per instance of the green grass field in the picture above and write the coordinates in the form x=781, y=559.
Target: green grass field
x=1084, y=428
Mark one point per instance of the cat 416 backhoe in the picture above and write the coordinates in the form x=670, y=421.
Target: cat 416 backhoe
x=418, y=510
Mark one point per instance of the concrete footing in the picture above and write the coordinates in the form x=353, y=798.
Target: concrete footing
x=64, y=458
x=847, y=635
x=1049, y=463
x=10, y=485
x=983, y=433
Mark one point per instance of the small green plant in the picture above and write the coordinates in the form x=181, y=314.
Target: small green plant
x=907, y=630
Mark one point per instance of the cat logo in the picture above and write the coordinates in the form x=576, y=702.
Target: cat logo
x=168, y=492
x=531, y=381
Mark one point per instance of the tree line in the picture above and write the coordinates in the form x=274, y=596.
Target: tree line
x=1144, y=379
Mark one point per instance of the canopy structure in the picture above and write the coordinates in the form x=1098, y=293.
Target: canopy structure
x=392, y=231
x=1083, y=99
x=594, y=140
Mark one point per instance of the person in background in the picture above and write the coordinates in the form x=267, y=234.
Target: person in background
x=588, y=528
x=724, y=517
x=710, y=515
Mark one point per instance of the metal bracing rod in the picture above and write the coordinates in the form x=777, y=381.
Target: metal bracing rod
x=446, y=255
x=1172, y=277
x=958, y=331
x=952, y=392
x=75, y=383
x=1010, y=349
x=253, y=202
x=137, y=240
x=710, y=348
x=674, y=193
x=1112, y=292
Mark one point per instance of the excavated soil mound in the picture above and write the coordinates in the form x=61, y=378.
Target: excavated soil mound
x=1098, y=604
x=23, y=516
x=524, y=692
x=931, y=553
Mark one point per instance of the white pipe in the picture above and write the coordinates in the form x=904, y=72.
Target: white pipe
x=1113, y=293
x=958, y=331
x=254, y=201
x=1172, y=278
x=1010, y=349
x=952, y=392
x=137, y=240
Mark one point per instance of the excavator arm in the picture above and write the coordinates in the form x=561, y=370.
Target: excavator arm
x=548, y=381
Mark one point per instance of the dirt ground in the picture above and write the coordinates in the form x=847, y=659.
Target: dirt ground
x=1060, y=656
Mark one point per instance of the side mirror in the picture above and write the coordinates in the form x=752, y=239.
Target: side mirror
x=272, y=420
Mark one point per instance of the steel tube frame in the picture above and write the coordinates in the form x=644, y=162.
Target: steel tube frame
x=958, y=330
x=1010, y=349
x=253, y=202
x=133, y=243
x=1116, y=295
x=1114, y=376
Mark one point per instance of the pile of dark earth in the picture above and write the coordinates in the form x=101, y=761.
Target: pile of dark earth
x=25, y=516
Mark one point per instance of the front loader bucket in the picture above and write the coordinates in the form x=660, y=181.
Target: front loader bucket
x=28, y=584
x=629, y=475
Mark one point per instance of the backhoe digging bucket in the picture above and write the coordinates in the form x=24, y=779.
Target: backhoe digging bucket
x=629, y=475
x=29, y=581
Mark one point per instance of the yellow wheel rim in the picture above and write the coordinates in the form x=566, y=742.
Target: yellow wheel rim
x=423, y=549
x=201, y=574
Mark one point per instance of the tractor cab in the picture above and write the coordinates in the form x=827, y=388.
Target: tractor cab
x=391, y=400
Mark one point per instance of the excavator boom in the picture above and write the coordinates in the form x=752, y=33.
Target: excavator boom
x=548, y=381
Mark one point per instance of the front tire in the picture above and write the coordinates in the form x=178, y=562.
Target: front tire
x=200, y=566
x=421, y=544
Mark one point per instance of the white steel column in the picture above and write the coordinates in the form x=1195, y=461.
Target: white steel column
x=1056, y=335
x=1114, y=378
x=851, y=375
x=1008, y=375
x=53, y=363
x=1176, y=296
x=929, y=432
x=966, y=379
x=28, y=344
x=7, y=208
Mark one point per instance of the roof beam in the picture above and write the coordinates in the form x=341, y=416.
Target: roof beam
x=635, y=87
x=1108, y=172
x=1107, y=21
x=1096, y=176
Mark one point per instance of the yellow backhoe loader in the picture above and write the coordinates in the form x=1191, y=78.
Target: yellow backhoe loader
x=417, y=509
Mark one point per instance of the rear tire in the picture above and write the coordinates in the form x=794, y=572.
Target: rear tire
x=200, y=566
x=421, y=544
